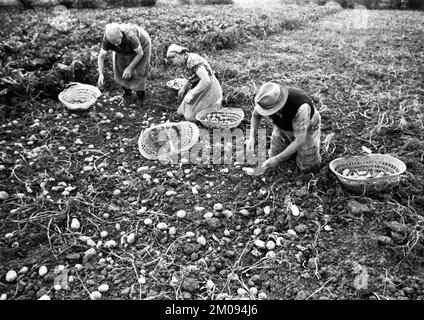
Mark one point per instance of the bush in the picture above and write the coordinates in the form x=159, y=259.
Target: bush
x=90, y=4
x=412, y=4
x=376, y=4
x=371, y=4
x=83, y=3
x=221, y=39
x=205, y=2
x=131, y=3
x=218, y=1
x=346, y=3
x=29, y=4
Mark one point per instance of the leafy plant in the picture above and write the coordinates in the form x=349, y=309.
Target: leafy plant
x=376, y=4
x=106, y=3
x=205, y=2
x=131, y=3
x=412, y=4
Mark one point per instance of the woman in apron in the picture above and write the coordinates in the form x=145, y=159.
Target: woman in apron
x=202, y=90
x=131, y=46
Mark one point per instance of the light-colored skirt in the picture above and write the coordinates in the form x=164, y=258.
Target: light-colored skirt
x=210, y=97
x=308, y=155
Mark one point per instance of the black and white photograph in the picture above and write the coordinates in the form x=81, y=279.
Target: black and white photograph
x=213, y=155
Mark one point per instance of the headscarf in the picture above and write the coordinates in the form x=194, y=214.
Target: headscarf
x=175, y=48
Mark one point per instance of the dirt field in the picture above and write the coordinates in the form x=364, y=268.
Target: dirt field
x=235, y=238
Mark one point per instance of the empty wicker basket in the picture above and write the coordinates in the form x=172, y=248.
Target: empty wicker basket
x=222, y=118
x=162, y=141
x=377, y=172
x=79, y=96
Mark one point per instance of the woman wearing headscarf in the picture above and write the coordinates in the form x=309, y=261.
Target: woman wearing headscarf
x=296, y=125
x=131, y=46
x=202, y=90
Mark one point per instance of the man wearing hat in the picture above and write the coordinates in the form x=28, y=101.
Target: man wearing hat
x=296, y=125
x=131, y=47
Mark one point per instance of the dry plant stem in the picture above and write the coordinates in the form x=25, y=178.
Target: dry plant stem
x=82, y=283
x=48, y=233
x=245, y=250
x=236, y=264
x=170, y=246
x=258, y=204
x=256, y=265
x=318, y=290
x=266, y=199
x=14, y=174
x=377, y=296
x=31, y=219
x=314, y=245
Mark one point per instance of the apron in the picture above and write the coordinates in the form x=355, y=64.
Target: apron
x=121, y=60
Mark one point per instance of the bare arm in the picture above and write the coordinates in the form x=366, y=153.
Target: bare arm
x=300, y=129
x=137, y=58
x=127, y=74
x=255, y=120
x=101, y=61
x=291, y=149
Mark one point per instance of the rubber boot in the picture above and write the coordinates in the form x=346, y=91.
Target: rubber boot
x=141, y=95
x=127, y=92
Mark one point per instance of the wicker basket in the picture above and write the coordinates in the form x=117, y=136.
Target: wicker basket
x=375, y=163
x=79, y=96
x=164, y=140
x=176, y=84
x=223, y=118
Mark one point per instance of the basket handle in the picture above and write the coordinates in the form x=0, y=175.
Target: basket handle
x=70, y=84
x=170, y=141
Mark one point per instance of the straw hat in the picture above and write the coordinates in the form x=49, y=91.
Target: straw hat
x=270, y=98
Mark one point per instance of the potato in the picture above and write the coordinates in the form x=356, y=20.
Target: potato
x=78, y=100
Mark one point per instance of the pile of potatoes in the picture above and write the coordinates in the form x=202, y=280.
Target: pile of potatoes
x=216, y=117
x=177, y=83
x=77, y=100
x=364, y=174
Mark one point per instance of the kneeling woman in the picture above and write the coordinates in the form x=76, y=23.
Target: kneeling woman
x=202, y=90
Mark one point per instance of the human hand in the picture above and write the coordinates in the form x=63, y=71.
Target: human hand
x=101, y=81
x=270, y=163
x=127, y=73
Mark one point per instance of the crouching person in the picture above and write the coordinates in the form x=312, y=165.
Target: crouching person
x=202, y=90
x=131, y=47
x=296, y=125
